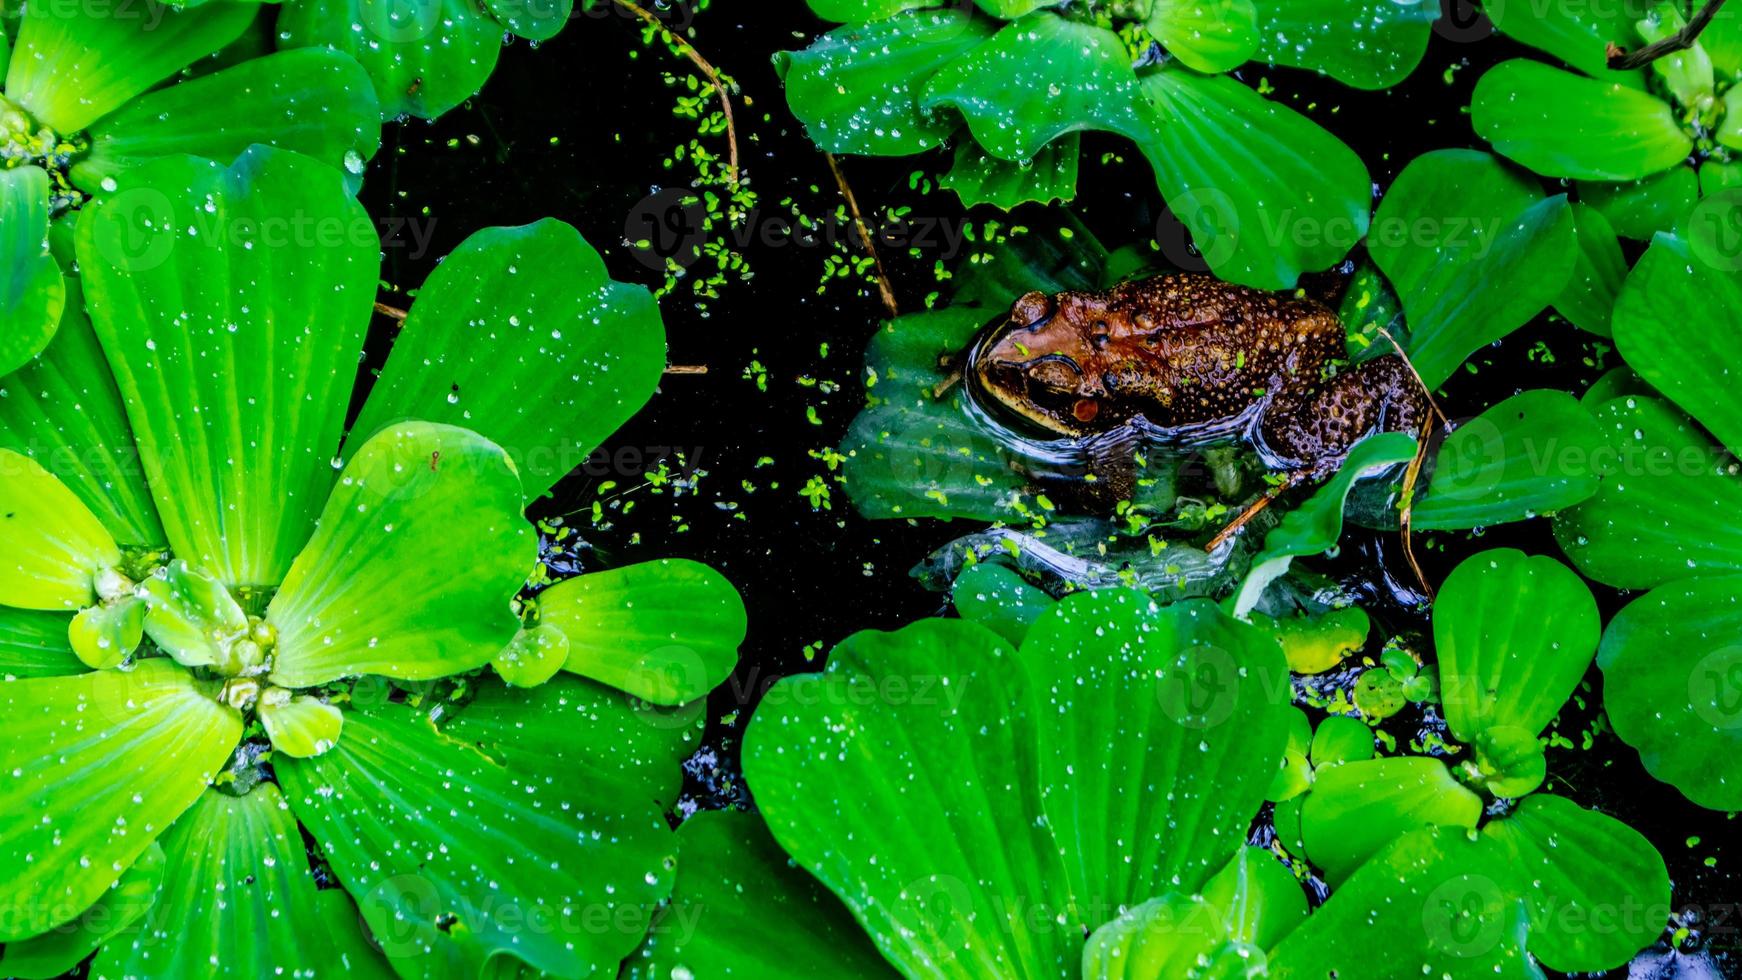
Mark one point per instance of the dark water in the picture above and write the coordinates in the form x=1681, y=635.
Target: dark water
x=579, y=127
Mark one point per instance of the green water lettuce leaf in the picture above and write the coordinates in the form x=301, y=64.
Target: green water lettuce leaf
x=1037, y=79
x=740, y=908
x=1515, y=634
x=665, y=631
x=1598, y=891
x=1091, y=658
x=533, y=657
x=1474, y=251
x=1564, y=125
x=1598, y=272
x=1356, y=809
x=1676, y=286
x=238, y=892
x=1660, y=512
x=104, y=635
x=1672, y=685
x=1028, y=739
x=194, y=619
x=857, y=11
x=580, y=724
x=1509, y=760
x=1369, y=44
x=101, y=764
x=1532, y=454
x=521, y=336
x=32, y=291
x=232, y=302
x=1577, y=34
x=315, y=102
x=1314, y=644
x=1640, y=209
x=538, y=20
x=1266, y=192
x=1223, y=931
x=70, y=67
x=414, y=565
x=441, y=877
x=858, y=89
x=1206, y=35
x=63, y=410
x=997, y=597
x=1440, y=900
x=301, y=725
x=977, y=177
x=60, y=950
x=34, y=643
x=55, y=548
x=1314, y=526
x=425, y=58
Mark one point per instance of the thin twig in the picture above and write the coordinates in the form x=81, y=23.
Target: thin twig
x=1622, y=60
x=689, y=51
x=1425, y=390
x=883, y=287
x=686, y=369
x=392, y=311
x=1254, y=509
x=1409, y=479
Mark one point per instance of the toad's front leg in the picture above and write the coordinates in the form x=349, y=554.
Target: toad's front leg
x=1311, y=428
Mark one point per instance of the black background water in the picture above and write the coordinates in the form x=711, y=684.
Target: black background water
x=578, y=128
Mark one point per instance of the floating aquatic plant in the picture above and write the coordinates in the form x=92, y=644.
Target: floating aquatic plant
x=1013, y=84
x=1671, y=667
x=1514, y=636
x=1643, y=144
x=1097, y=873
x=229, y=622
x=90, y=93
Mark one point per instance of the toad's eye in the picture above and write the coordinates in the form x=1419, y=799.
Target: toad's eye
x=1057, y=372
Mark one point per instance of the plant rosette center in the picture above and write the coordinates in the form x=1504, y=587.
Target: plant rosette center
x=24, y=142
